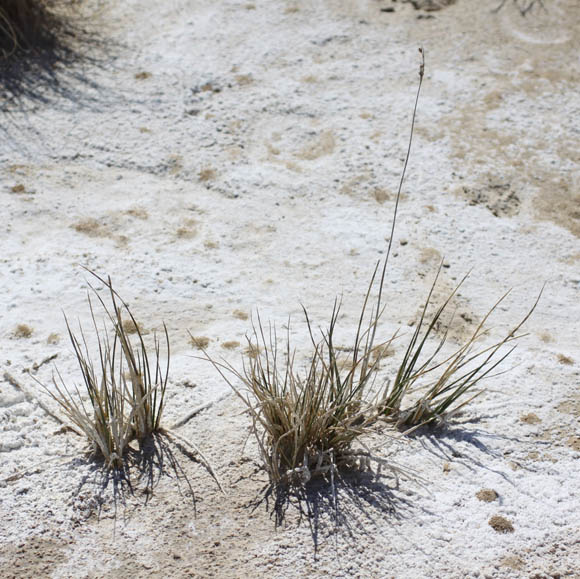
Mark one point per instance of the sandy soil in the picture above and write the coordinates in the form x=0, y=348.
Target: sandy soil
x=219, y=157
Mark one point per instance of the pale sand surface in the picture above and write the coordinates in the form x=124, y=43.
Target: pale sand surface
x=224, y=156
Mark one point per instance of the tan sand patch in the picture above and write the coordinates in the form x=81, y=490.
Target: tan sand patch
x=199, y=342
x=187, y=230
x=320, y=146
x=513, y=562
x=130, y=327
x=530, y=418
x=252, y=351
x=383, y=351
x=566, y=360
x=53, y=339
x=380, y=195
x=241, y=315
x=207, y=174
x=92, y=227
x=498, y=197
x=244, y=79
x=430, y=255
x=560, y=203
x=355, y=184
x=571, y=406
x=37, y=557
x=138, y=212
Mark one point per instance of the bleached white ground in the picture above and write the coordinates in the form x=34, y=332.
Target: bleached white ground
x=225, y=156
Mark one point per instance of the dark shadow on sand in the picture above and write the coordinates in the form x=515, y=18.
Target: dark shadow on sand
x=143, y=469
x=61, y=68
x=445, y=443
x=354, y=505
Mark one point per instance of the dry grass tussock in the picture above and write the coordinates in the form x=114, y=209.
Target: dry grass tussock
x=123, y=394
x=306, y=423
x=124, y=386
x=442, y=386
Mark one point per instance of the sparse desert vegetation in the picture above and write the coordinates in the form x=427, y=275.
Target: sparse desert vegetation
x=235, y=169
x=125, y=391
x=307, y=423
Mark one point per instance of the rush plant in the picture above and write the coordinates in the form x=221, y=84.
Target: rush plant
x=307, y=422
x=124, y=390
x=442, y=386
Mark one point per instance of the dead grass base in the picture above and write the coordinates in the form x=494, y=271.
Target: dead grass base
x=487, y=495
x=501, y=524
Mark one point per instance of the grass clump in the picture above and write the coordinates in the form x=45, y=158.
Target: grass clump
x=445, y=385
x=125, y=390
x=307, y=423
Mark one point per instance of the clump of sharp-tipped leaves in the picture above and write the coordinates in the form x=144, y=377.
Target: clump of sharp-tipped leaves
x=444, y=386
x=307, y=422
x=124, y=390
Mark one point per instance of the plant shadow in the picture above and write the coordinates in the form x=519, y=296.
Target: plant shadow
x=523, y=6
x=355, y=503
x=143, y=469
x=465, y=445
x=442, y=440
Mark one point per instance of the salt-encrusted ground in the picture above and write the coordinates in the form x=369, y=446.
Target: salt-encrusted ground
x=223, y=156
